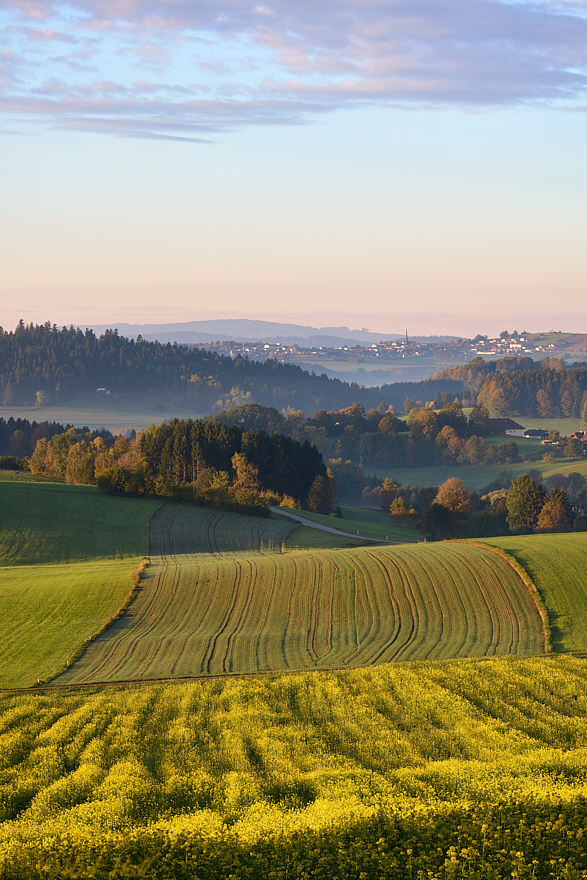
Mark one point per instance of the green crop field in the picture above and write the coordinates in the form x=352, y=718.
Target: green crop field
x=48, y=611
x=557, y=565
x=220, y=613
x=305, y=538
x=369, y=527
x=53, y=522
x=460, y=769
x=67, y=555
x=478, y=476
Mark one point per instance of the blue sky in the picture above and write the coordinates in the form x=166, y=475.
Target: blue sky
x=376, y=164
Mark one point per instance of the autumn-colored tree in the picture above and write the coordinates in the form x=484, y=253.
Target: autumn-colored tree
x=400, y=509
x=387, y=425
x=247, y=474
x=556, y=512
x=322, y=493
x=453, y=450
x=454, y=495
x=388, y=493
x=423, y=422
x=444, y=437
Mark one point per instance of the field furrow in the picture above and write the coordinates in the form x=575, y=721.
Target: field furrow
x=220, y=598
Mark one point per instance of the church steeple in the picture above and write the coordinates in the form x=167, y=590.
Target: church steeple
x=406, y=337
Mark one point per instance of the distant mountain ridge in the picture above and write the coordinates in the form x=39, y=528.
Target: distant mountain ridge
x=248, y=330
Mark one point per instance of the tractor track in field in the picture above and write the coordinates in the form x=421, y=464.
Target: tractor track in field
x=222, y=601
x=491, y=602
x=242, y=615
x=235, y=596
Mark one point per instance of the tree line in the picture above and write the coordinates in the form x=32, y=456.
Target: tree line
x=43, y=364
x=196, y=461
x=379, y=439
x=507, y=506
x=519, y=386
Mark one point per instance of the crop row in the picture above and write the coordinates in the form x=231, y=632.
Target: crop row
x=212, y=614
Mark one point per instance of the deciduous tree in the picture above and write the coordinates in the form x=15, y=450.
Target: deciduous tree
x=454, y=495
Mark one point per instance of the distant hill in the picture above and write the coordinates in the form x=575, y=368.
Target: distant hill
x=46, y=365
x=247, y=330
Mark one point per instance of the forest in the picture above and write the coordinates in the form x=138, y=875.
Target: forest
x=43, y=365
x=519, y=386
x=206, y=462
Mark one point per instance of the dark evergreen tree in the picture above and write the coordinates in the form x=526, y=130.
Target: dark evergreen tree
x=525, y=500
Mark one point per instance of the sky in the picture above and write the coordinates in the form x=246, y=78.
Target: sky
x=386, y=164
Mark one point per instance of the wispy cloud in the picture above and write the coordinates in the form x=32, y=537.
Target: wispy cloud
x=287, y=61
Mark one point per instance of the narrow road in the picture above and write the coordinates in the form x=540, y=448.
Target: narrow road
x=314, y=525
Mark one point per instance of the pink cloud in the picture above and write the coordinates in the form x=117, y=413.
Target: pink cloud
x=286, y=61
x=43, y=34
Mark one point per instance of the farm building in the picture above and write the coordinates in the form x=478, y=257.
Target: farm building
x=506, y=426
x=536, y=434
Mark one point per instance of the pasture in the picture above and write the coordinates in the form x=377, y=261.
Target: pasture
x=54, y=522
x=369, y=527
x=205, y=611
x=434, y=770
x=67, y=555
x=48, y=611
x=97, y=411
x=557, y=566
x=478, y=476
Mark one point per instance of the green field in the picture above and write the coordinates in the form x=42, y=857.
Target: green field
x=48, y=611
x=557, y=565
x=471, y=769
x=256, y=610
x=369, y=527
x=98, y=411
x=67, y=555
x=365, y=514
x=304, y=538
x=478, y=476
x=54, y=522
x=565, y=426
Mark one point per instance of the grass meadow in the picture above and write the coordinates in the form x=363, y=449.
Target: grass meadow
x=369, y=527
x=54, y=522
x=48, y=611
x=97, y=411
x=478, y=476
x=67, y=556
x=473, y=769
x=557, y=565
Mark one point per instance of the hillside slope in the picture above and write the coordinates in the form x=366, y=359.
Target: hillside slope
x=557, y=565
x=213, y=614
